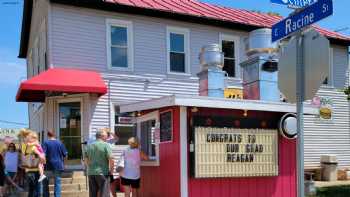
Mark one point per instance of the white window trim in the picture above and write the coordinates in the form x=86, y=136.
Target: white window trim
x=236, y=40
x=150, y=116
x=130, y=43
x=186, y=33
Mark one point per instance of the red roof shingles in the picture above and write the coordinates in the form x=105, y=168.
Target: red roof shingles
x=206, y=10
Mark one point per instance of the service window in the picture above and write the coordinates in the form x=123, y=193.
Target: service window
x=147, y=127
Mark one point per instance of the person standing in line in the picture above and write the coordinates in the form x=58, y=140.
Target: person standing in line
x=55, y=153
x=11, y=163
x=100, y=163
x=31, y=159
x=130, y=176
x=34, y=140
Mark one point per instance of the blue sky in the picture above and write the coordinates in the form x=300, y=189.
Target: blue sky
x=13, y=69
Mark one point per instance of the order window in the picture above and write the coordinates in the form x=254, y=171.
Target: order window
x=147, y=128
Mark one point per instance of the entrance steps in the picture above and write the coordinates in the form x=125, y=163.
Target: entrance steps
x=73, y=184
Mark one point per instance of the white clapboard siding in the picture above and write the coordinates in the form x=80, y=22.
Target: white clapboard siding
x=36, y=118
x=127, y=89
x=347, y=81
x=329, y=137
x=79, y=41
x=340, y=65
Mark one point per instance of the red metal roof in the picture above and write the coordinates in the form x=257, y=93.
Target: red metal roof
x=60, y=80
x=206, y=10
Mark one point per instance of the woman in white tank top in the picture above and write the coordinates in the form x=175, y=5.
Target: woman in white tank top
x=130, y=176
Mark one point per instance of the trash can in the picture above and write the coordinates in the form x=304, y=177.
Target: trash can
x=309, y=189
x=329, y=166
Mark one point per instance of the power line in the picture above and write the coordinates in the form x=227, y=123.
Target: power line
x=15, y=123
x=342, y=29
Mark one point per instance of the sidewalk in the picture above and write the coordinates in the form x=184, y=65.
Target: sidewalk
x=331, y=183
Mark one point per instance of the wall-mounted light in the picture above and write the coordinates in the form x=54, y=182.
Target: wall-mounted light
x=138, y=114
x=245, y=113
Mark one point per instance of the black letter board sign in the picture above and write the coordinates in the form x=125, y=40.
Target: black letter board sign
x=166, y=127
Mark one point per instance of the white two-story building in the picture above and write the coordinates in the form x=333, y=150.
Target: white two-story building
x=86, y=58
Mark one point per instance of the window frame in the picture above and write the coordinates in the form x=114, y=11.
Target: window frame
x=236, y=40
x=150, y=116
x=130, y=43
x=186, y=33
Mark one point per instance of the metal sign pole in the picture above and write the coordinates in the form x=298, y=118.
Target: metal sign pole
x=300, y=84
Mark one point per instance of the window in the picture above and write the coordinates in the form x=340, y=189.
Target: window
x=178, y=50
x=148, y=144
x=124, y=126
x=147, y=128
x=119, y=44
x=329, y=79
x=35, y=58
x=229, y=46
x=166, y=126
x=42, y=48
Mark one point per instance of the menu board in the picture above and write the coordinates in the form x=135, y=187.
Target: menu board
x=232, y=152
x=166, y=126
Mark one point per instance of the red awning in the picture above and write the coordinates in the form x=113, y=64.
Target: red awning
x=60, y=80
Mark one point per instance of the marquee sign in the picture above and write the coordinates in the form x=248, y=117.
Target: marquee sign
x=231, y=152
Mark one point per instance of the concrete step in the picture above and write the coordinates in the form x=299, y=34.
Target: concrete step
x=73, y=193
x=70, y=187
x=78, y=180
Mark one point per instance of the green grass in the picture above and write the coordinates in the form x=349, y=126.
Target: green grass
x=334, y=191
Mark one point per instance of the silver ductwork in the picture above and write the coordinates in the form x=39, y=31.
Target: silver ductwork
x=211, y=77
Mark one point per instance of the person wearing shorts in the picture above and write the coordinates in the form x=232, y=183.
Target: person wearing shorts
x=130, y=176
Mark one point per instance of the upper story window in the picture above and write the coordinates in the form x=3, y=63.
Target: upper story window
x=178, y=50
x=329, y=79
x=35, y=58
x=229, y=46
x=119, y=44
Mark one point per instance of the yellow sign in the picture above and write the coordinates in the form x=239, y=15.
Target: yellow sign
x=233, y=93
x=231, y=152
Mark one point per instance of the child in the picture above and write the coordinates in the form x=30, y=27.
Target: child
x=33, y=139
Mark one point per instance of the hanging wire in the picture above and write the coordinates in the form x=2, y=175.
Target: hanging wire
x=14, y=123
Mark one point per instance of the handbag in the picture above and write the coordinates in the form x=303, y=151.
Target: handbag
x=120, y=165
x=29, y=160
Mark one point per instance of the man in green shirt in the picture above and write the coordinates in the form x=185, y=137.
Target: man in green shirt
x=100, y=163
